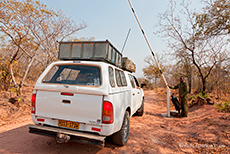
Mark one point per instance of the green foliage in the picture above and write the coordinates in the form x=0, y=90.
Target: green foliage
x=192, y=97
x=223, y=107
x=202, y=95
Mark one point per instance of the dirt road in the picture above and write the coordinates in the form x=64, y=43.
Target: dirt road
x=204, y=131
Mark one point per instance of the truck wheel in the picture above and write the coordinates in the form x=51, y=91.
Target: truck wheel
x=121, y=137
x=140, y=111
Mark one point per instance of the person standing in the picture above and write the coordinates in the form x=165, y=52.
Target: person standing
x=183, y=96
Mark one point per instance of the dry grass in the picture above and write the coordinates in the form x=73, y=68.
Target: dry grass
x=13, y=106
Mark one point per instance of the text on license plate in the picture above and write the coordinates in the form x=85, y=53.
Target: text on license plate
x=68, y=124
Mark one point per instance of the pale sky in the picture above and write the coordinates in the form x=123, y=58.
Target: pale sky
x=111, y=19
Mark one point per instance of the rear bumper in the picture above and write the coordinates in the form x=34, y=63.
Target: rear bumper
x=82, y=137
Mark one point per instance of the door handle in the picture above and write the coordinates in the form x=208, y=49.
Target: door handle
x=133, y=94
x=66, y=101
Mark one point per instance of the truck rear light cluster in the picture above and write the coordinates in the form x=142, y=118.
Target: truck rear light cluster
x=107, y=113
x=33, y=98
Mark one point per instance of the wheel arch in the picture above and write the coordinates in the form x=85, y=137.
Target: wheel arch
x=129, y=110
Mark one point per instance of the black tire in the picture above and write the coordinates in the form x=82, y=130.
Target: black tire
x=140, y=111
x=121, y=137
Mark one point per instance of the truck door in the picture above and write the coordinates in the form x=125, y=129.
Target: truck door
x=135, y=92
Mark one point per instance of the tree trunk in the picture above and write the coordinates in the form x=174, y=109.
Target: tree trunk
x=203, y=79
x=25, y=75
x=203, y=85
x=217, y=90
x=13, y=57
x=12, y=76
x=189, y=76
x=190, y=83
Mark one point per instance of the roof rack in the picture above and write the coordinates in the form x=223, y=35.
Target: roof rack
x=94, y=51
x=90, y=50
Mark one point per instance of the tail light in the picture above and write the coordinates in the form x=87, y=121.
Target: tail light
x=107, y=113
x=33, y=103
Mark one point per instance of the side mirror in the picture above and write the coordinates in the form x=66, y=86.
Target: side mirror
x=143, y=85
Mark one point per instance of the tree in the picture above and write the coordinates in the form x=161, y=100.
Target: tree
x=219, y=81
x=184, y=64
x=146, y=84
x=152, y=72
x=182, y=36
x=215, y=18
x=34, y=30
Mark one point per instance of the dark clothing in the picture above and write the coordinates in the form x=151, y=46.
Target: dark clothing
x=183, y=97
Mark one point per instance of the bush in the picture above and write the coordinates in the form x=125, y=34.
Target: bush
x=202, y=95
x=223, y=107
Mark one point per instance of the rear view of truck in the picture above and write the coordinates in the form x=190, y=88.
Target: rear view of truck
x=68, y=99
x=69, y=95
x=77, y=97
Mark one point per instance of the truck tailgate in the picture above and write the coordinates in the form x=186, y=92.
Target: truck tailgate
x=78, y=107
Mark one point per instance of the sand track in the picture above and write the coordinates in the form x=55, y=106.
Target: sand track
x=204, y=131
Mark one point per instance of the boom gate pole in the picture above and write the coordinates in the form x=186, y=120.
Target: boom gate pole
x=158, y=65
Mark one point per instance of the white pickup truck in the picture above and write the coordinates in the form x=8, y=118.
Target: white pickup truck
x=85, y=101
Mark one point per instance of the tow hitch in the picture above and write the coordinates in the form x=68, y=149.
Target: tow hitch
x=62, y=138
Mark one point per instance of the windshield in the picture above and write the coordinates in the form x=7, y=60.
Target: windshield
x=74, y=74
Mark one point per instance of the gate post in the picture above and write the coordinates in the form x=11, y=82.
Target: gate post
x=168, y=102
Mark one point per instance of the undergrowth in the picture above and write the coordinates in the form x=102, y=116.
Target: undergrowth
x=223, y=107
x=201, y=94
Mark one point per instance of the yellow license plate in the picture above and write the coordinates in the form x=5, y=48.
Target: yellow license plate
x=68, y=124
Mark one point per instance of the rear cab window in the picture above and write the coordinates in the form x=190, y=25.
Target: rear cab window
x=82, y=75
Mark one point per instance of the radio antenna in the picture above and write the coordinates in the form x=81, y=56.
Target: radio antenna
x=125, y=41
